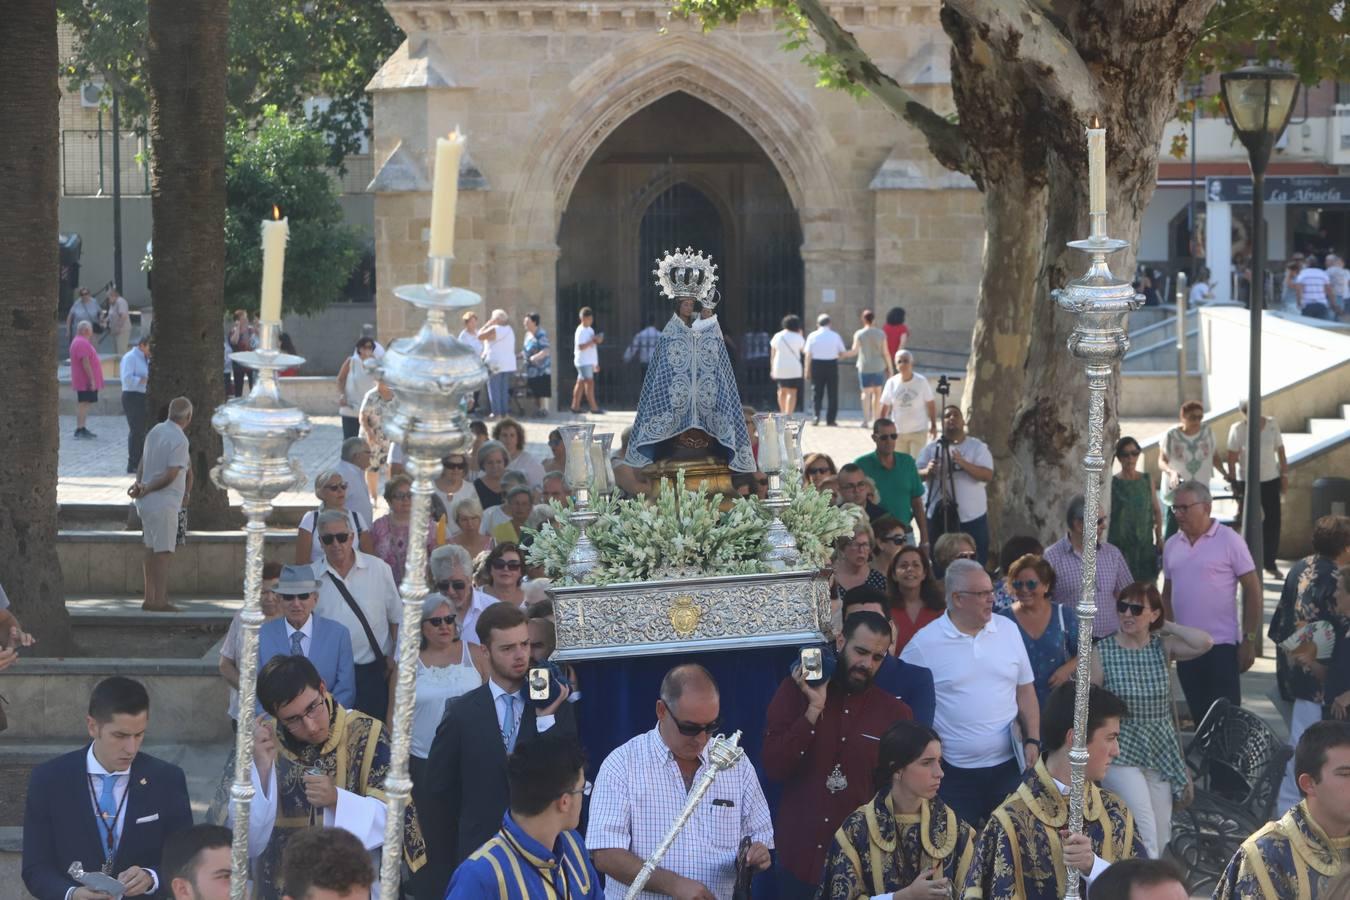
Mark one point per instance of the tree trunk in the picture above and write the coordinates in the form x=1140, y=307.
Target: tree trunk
x=29, y=274
x=186, y=64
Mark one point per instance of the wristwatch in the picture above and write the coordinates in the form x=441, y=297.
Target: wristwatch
x=1249, y=637
x=1031, y=740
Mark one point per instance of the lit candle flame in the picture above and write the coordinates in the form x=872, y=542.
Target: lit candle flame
x=276, y=213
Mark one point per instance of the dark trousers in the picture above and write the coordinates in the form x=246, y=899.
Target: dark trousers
x=1209, y=677
x=133, y=407
x=372, y=689
x=790, y=887
x=973, y=793
x=825, y=377
x=351, y=427
x=240, y=373
x=1270, y=518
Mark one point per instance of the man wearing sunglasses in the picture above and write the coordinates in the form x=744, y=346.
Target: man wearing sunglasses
x=1065, y=556
x=301, y=632
x=357, y=591
x=821, y=743
x=898, y=484
x=316, y=763
x=451, y=575
x=643, y=785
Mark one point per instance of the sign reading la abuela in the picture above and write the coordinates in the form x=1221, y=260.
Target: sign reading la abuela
x=1280, y=189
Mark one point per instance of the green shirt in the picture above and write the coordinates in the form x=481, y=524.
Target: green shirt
x=897, y=485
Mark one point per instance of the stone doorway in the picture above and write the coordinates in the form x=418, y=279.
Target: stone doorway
x=677, y=173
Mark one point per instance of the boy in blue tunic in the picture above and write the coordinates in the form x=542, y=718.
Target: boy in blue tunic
x=538, y=853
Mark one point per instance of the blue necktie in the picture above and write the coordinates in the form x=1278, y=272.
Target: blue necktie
x=296, y=649
x=509, y=727
x=107, y=808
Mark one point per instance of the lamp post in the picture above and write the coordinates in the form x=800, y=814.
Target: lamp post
x=1259, y=101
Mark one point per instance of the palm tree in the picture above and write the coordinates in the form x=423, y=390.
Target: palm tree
x=29, y=272
x=186, y=63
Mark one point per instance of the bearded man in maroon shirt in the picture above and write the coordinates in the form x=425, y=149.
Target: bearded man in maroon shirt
x=821, y=742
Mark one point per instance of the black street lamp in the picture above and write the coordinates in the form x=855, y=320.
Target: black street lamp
x=1259, y=101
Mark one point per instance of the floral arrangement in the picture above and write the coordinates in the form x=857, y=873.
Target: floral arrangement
x=685, y=533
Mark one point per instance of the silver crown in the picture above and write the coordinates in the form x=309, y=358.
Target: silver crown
x=686, y=274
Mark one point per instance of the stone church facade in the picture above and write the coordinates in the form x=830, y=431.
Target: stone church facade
x=603, y=133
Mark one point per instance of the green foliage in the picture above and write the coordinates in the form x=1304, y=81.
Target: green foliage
x=283, y=163
x=1311, y=37
x=281, y=53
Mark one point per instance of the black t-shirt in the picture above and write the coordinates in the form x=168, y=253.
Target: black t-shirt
x=486, y=495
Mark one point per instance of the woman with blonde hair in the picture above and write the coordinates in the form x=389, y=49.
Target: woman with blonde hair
x=468, y=517
x=853, y=561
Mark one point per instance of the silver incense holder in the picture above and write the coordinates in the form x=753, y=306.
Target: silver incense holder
x=1102, y=302
x=723, y=753
x=774, y=458
x=577, y=441
x=429, y=374
x=259, y=431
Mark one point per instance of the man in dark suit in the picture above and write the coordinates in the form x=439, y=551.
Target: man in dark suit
x=107, y=806
x=466, y=769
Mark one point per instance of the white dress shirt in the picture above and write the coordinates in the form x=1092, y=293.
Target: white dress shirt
x=468, y=629
x=96, y=769
x=134, y=371
x=640, y=790
x=371, y=584
x=541, y=723
x=307, y=635
x=824, y=344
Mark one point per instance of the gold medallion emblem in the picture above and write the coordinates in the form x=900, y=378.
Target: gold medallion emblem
x=684, y=615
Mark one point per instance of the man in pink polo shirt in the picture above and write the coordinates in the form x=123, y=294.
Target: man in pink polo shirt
x=86, y=376
x=1203, y=564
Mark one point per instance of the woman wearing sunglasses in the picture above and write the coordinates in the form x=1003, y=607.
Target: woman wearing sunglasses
x=1049, y=630
x=816, y=468
x=331, y=489
x=1135, y=665
x=445, y=669
x=389, y=534
x=451, y=485
x=1136, y=527
x=503, y=570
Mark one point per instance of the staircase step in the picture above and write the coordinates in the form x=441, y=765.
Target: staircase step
x=1326, y=428
x=119, y=609
x=1299, y=441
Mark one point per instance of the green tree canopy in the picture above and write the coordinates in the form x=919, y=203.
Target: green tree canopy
x=282, y=163
x=282, y=53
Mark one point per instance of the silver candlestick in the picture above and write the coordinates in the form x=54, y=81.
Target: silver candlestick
x=259, y=431
x=429, y=373
x=723, y=753
x=580, y=465
x=1102, y=302
x=773, y=457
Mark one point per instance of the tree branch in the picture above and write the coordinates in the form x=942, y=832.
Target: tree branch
x=1024, y=33
x=945, y=140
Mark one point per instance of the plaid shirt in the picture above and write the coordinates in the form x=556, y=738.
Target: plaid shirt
x=638, y=794
x=1113, y=576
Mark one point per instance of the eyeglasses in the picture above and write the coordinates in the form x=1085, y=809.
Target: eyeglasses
x=818, y=470
x=1179, y=509
x=401, y=495
x=966, y=554
x=294, y=598
x=896, y=539
x=1134, y=609
x=453, y=584
x=584, y=790
x=458, y=465
x=1029, y=585
x=693, y=729
x=884, y=437
x=341, y=537
x=983, y=595
x=858, y=545
x=850, y=485
x=438, y=621
x=335, y=487
x=509, y=564
x=316, y=706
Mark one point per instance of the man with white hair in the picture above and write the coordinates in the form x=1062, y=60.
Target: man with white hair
x=355, y=460
x=499, y=352
x=907, y=400
x=163, y=483
x=452, y=575
x=86, y=376
x=823, y=349
x=983, y=683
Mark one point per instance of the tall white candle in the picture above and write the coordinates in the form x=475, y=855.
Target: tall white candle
x=1096, y=168
x=576, y=461
x=599, y=471
x=770, y=457
x=274, y=234
x=445, y=194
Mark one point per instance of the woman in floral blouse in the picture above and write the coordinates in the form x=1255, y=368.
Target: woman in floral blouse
x=1189, y=452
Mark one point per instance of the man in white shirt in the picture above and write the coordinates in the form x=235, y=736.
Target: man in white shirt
x=958, y=467
x=315, y=763
x=907, y=400
x=358, y=591
x=983, y=682
x=1272, y=473
x=1202, y=291
x=355, y=460
x=134, y=370
x=1314, y=291
x=119, y=320
x=499, y=343
x=586, y=357
x=162, y=486
x=643, y=784
x=824, y=346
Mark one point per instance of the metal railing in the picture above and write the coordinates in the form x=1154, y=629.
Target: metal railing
x=87, y=168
